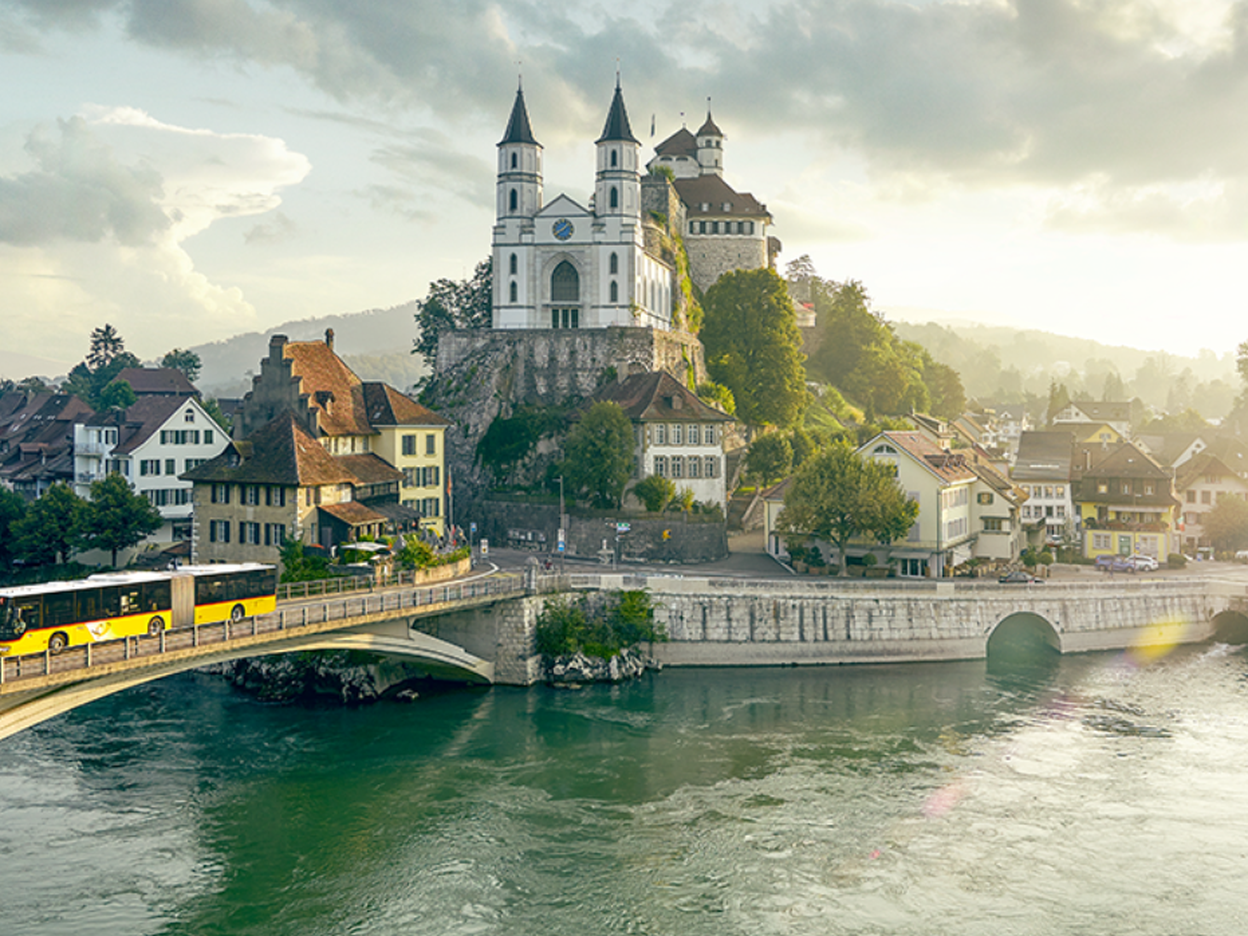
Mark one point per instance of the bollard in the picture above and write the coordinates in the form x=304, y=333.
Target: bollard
x=88, y=654
x=162, y=641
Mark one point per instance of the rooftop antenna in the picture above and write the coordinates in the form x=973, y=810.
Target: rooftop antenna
x=519, y=75
x=617, y=71
x=683, y=125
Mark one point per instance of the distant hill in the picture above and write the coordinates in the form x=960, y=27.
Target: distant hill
x=1008, y=364
x=376, y=344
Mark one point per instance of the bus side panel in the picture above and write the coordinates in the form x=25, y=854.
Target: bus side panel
x=212, y=613
x=183, y=600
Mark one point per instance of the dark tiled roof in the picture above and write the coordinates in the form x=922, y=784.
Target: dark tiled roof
x=278, y=453
x=1043, y=456
x=680, y=143
x=709, y=128
x=948, y=466
x=1123, y=460
x=142, y=420
x=385, y=406
x=616, y=128
x=518, y=128
x=158, y=380
x=353, y=513
x=653, y=396
x=713, y=191
x=1197, y=467
x=369, y=469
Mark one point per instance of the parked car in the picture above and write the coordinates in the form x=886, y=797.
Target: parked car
x=1115, y=563
x=1145, y=563
x=1240, y=556
x=1019, y=577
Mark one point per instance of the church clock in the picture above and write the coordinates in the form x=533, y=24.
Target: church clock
x=562, y=229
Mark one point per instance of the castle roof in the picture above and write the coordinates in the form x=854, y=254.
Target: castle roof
x=711, y=190
x=163, y=381
x=519, y=130
x=709, y=128
x=333, y=389
x=616, y=127
x=680, y=143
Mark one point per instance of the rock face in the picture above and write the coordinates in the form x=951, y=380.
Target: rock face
x=344, y=676
x=579, y=668
x=483, y=374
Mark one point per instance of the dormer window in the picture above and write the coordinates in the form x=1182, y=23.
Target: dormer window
x=188, y=416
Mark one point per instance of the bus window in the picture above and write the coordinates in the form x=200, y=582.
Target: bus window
x=110, y=601
x=89, y=605
x=58, y=609
x=266, y=582
x=28, y=615
x=157, y=596
x=130, y=603
x=210, y=590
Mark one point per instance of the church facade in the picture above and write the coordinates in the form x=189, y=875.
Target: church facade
x=562, y=265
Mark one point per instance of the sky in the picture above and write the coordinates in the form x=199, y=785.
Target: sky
x=190, y=169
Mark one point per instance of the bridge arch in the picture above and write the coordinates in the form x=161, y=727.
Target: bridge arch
x=1023, y=638
x=1230, y=627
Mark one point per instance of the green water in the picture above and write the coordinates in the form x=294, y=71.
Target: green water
x=1096, y=797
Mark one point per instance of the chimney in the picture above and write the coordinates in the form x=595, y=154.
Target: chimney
x=329, y=338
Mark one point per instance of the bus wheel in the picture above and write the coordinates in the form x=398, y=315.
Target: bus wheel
x=155, y=626
x=237, y=613
x=57, y=642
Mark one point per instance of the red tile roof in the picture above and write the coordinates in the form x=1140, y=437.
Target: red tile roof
x=660, y=397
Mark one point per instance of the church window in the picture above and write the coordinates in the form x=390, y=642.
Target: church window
x=614, y=263
x=565, y=318
x=513, y=291
x=513, y=160
x=514, y=200
x=512, y=265
x=615, y=290
x=613, y=159
x=565, y=283
x=615, y=197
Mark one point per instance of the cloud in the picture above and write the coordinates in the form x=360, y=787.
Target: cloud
x=1126, y=94
x=96, y=230
x=79, y=192
x=396, y=200
x=277, y=229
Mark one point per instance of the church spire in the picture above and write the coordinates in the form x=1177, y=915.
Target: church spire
x=519, y=130
x=616, y=128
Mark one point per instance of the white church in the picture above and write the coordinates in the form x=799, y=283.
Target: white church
x=563, y=265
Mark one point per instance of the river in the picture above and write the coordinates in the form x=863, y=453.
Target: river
x=1098, y=796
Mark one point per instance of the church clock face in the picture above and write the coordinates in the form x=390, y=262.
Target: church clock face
x=562, y=229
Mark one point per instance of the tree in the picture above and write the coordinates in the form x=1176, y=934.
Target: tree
x=837, y=496
x=1059, y=399
x=12, y=509
x=655, y=491
x=752, y=346
x=187, y=362
x=717, y=395
x=1114, y=388
x=452, y=305
x=600, y=454
x=944, y=385
x=116, y=517
x=118, y=395
x=50, y=530
x=106, y=344
x=1226, y=524
x=215, y=413
x=769, y=459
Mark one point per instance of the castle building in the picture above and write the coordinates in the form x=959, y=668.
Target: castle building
x=724, y=229
x=561, y=265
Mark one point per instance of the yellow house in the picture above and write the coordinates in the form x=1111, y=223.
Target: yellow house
x=412, y=438
x=1126, y=502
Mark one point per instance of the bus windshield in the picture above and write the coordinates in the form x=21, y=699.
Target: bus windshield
x=6, y=620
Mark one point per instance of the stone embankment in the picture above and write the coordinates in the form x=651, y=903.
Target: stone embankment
x=579, y=668
x=324, y=676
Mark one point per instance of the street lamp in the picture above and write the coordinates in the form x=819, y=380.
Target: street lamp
x=563, y=525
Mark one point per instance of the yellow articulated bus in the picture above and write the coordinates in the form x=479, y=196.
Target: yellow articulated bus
x=113, y=605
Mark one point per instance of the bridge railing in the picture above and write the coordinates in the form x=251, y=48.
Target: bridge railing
x=299, y=614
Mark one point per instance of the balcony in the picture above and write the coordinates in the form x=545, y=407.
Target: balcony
x=92, y=448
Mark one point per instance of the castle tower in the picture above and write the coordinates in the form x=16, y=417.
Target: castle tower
x=519, y=166
x=710, y=146
x=617, y=190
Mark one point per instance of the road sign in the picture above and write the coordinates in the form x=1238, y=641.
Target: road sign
x=485, y=549
x=472, y=527
x=622, y=527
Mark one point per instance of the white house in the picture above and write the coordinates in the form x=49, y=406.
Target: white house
x=149, y=445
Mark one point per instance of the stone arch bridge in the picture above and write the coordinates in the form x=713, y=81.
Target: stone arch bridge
x=484, y=630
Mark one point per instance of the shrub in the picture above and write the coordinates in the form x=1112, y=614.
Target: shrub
x=1176, y=561
x=869, y=560
x=655, y=492
x=565, y=627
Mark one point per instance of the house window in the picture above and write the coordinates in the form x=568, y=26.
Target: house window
x=1206, y=497
x=660, y=434
x=221, y=494
x=431, y=444
x=409, y=445
x=409, y=477
x=993, y=524
x=710, y=465
x=694, y=435
x=188, y=416
x=1101, y=541
x=1060, y=490
x=1126, y=487
x=678, y=434
x=171, y=466
x=1191, y=497
x=695, y=466
x=1102, y=487
x=149, y=466
x=207, y=437
x=1148, y=487
x=251, y=495
x=249, y=533
x=660, y=465
x=678, y=466
x=984, y=497
x=1061, y=511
